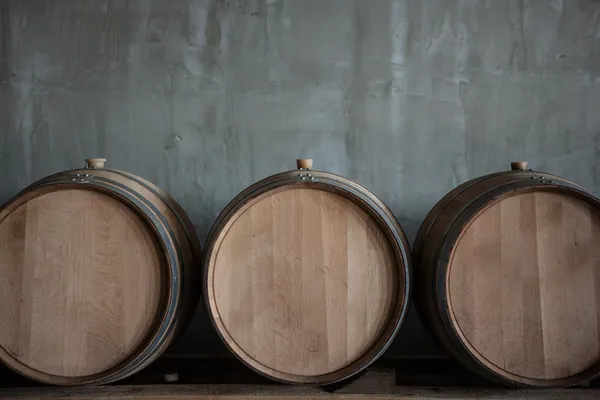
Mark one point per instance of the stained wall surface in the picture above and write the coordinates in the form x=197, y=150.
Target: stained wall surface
x=205, y=97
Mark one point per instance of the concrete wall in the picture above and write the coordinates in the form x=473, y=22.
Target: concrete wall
x=205, y=97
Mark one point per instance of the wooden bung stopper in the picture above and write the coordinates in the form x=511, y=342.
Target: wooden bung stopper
x=95, y=162
x=518, y=165
x=304, y=163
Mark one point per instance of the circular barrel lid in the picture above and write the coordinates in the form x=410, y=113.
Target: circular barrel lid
x=523, y=284
x=303, y=281
x=80, y=281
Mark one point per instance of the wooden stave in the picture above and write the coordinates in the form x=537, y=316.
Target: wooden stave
x=423, y=241
x=421, y=276
x=192, y=249
x=441, y=205
x=191, y=277
x=430, y=304
x=186, y=224
x=183, y=310
x=332, y=183
x=510, y=378
x=169, y=331
x=116, y=372
x=433, y=304
x=169, y=326
x=188, y=301
x=34, y=374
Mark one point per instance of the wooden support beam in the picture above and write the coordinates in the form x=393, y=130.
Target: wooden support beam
x=244, y=392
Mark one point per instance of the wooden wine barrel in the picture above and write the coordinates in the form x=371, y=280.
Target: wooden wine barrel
x=508, y=277
x=97, y=276
x=307, y=276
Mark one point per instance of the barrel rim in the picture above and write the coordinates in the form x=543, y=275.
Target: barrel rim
x=441, y=205
x=461, y=348
x=375, y=208
x=192, y=294
x=166, y=328
x=171, y=296
x=184, y=220
x=429, y=238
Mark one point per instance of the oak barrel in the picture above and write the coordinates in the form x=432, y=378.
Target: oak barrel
x=307, y=276
x=508, y=277
x=98, y=273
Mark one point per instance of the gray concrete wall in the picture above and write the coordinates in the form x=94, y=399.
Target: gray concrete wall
x=205, y=97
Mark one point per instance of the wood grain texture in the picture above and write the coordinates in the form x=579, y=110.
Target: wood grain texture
x=307, y=282
x=179, y=224
x=523, y=282
x=106, y=270
x=84, y=282
x=507, y=278
x=304, y=281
